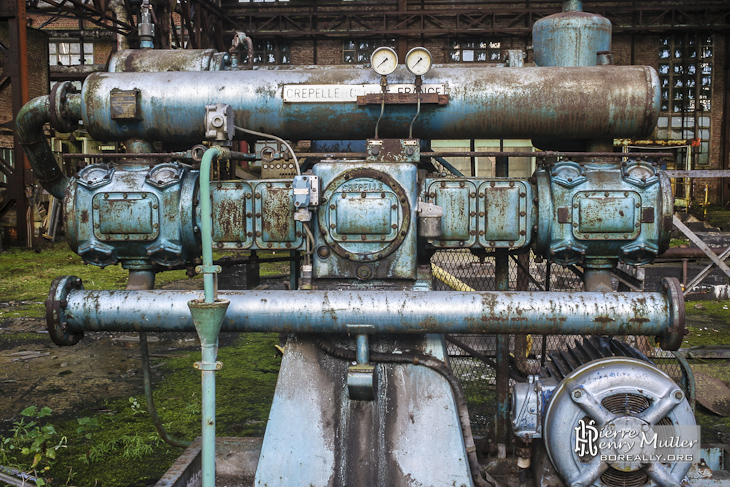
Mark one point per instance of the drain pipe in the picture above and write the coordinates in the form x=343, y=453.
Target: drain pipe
x=62, y=108
x=208, y=316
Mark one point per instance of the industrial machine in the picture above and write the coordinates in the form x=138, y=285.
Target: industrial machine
x=365, y=394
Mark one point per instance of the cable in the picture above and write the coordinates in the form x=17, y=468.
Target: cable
x=273, y=137
x=310, y=243
x=382, y=110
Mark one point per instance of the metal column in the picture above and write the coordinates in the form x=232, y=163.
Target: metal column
x=501, y=283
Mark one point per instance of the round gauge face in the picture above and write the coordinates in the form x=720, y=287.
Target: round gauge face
x=418, y=61
x=384, y=60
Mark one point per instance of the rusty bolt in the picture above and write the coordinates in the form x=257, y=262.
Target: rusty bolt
x=575, y=225
x=248, y=196
x=443, y=184
x=269, y=245
x=363, y=237
x=239, y=186
x=249, y=214
x=481, y=195
x=393, y=207
x=443, y=243
x=155, y=225
x=380, y=256
x=638, y=224
x=511, y=184
x=638, y=205
x=218, y=186
x=402, y=200
x=403, y=232
x=382, y=237
x=106, y=195
x=323, y=232
x=461, y=243
x=288, y=245
x=344, y=237
x=323, y=252
x=522, y=195
x=126, y=237
x=492, y=184
x=522, y=232
x=288, y=185
x=394, y=226
x=472, y=232
x=332, y=225
x=472, y=194
x=332, y=207
x=258, y=215
x=258, y=234
x=363, y=194
x=144, y=196
x=124, y=195
x=491, y=243
x=472, y=213
x=575, y=205
x=298, y=234
x=95, y=206
x=382, y=195
x=535, y=200
x=570, y=180
x=481, y=213
x=219, y=245
x=347, y=256
x=239, y=244
x=523, y=213
x=481, y=233
x=344, y=196
x=511, y=243
x=258, y=196
x=347, y=177
x=249, y=234
x=626, y=193
x=324, y=200
x=462, y=184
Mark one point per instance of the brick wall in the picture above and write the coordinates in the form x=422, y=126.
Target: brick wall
x=38, y=75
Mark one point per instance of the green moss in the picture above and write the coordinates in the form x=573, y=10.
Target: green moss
x=26, y=276
x=245, y=390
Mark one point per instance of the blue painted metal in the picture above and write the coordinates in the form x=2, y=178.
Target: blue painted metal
x=483, y=212
x=409, y=434
x=653, y=314
x=616, y=102
x=570, y=38
x=367, y=219
x=597, y=214
x=133, y=214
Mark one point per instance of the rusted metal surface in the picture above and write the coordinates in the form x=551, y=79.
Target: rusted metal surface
x=538, y=154
x=570, y=39
x=389, y=311
x=615, y=101
x=160, y=60
x=689, y=253
x=697, y=173
x=403, y=99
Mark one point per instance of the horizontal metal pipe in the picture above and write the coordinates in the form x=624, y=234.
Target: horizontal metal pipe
x=387, y=311
x=554, y=102
x=607, y=155
x=689, y=253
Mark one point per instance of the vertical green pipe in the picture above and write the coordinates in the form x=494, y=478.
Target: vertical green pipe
x=206, y=225
x=208, y=321
x=501, y=282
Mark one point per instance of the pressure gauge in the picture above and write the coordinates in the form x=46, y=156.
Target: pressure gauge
x=418, y=61
x=384, y=60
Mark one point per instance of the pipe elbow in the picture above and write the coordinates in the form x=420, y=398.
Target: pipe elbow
x=29, y=126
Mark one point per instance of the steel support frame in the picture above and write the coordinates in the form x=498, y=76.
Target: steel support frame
x=15, y=77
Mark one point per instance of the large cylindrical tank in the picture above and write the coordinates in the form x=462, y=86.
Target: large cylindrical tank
x=570, y=38
x=159, y=60
x=603, y=101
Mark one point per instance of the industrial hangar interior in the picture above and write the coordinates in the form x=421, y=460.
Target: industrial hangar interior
x=412, y=243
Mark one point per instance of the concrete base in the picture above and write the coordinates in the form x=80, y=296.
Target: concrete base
x=317, y=436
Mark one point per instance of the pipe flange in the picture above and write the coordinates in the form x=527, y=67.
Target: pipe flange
x=56, y=311
x=59, y=114
x=676, y=331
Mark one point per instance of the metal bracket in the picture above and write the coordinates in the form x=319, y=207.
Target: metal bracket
x=402, y=99
x=208, y=365
x=219, y=124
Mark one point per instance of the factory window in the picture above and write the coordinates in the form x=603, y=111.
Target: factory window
x=685, y=78
x=270, y=52
x=358, y=51
x=685, y=72
x=70, y=53
x=474, y=50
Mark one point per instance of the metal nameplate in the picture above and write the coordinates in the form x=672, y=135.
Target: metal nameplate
x=348, y=93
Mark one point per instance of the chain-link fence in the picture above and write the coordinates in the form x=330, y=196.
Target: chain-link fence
x=529, y=352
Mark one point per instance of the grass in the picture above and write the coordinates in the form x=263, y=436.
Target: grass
x=124, y=450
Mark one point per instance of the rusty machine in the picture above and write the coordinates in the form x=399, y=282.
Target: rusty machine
x=365, y=394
